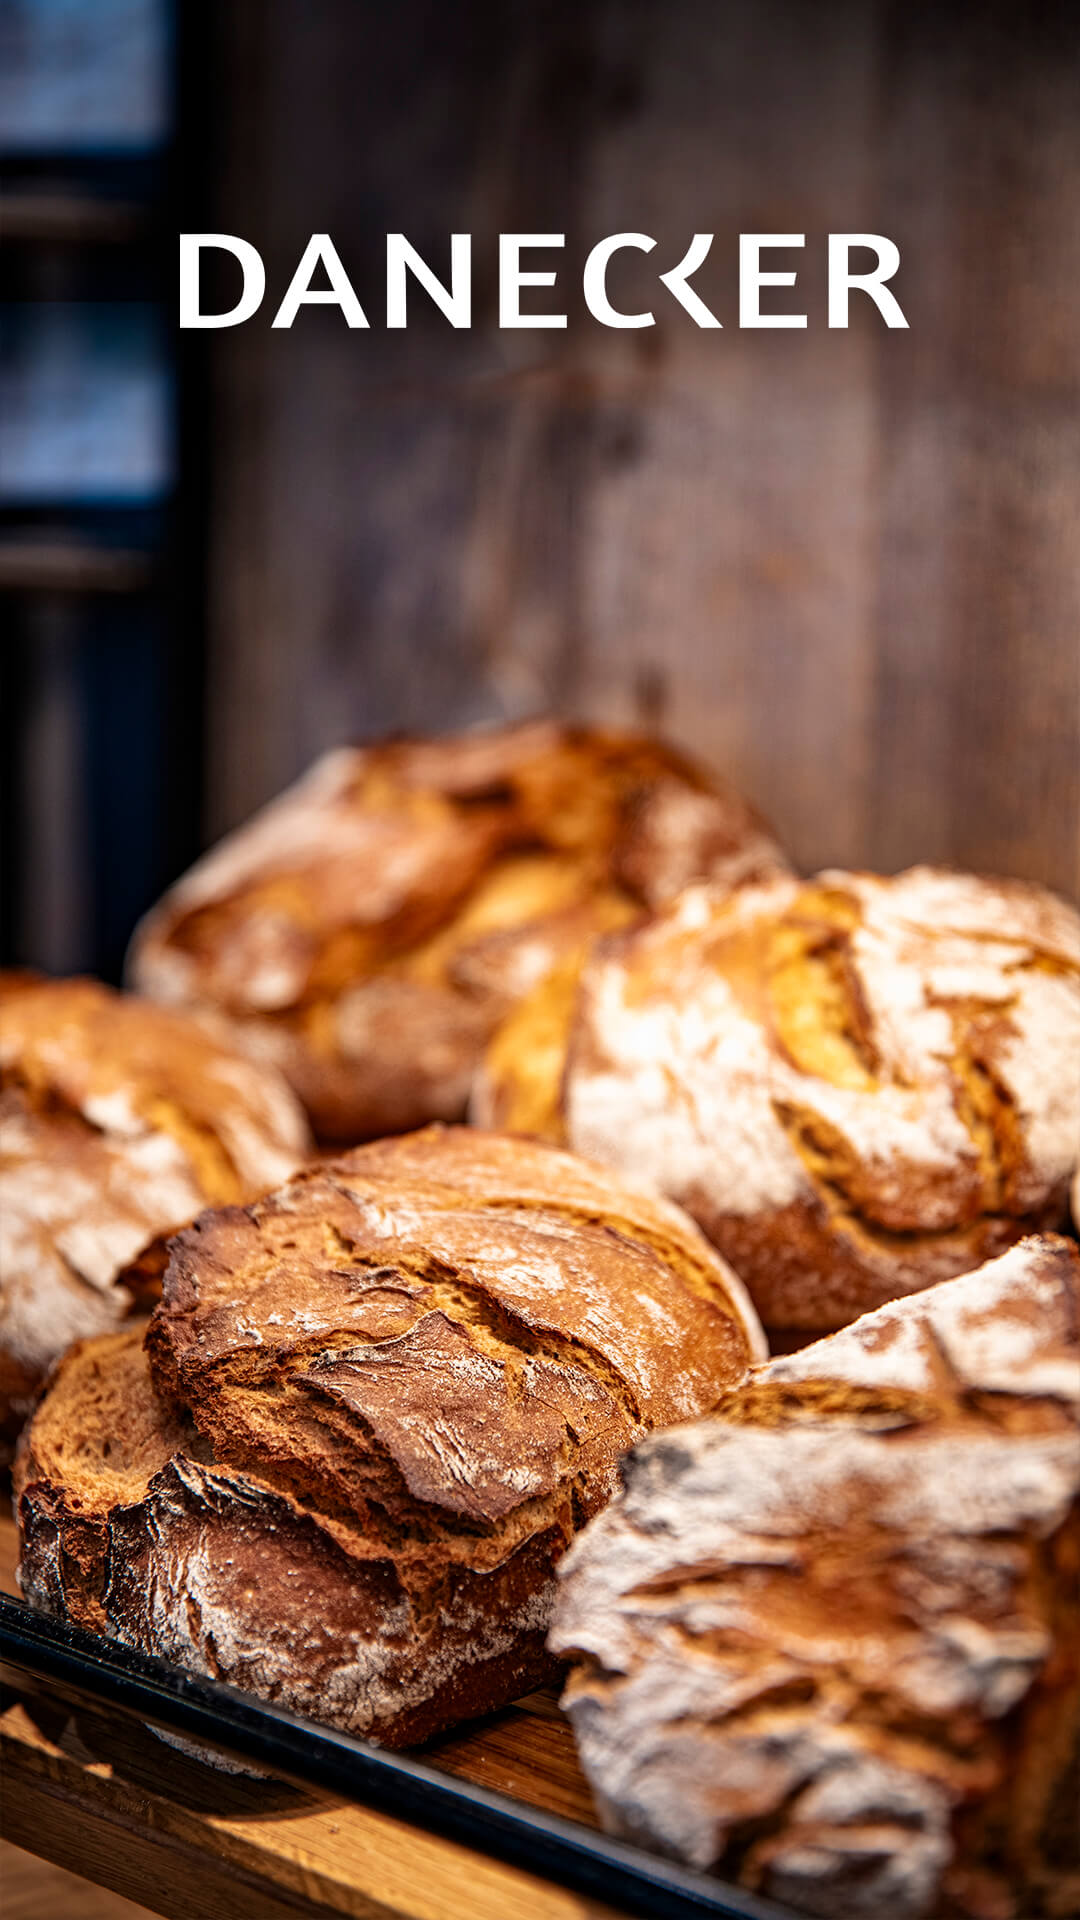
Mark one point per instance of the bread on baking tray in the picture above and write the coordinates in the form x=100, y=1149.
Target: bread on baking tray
x=367, y=929
x=119, y=1121
x=828, y=1641
x=856, y=1085
x=371, y=1410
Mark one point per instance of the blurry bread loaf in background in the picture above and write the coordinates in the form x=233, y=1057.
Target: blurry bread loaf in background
x=856, y=1085
x=828, y=1641
x=371, y=1411
x=367, y=929
x=119, y=1121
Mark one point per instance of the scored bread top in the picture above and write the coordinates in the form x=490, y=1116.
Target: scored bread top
x=827, y=1638
x=119, y=1121
x=371, y=1410
x=369, y=926
x=856, y=1085
x=473, y=1310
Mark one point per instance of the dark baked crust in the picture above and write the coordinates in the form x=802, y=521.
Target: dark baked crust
x=828, y=1642
x=392, y=1392
x=368, y=929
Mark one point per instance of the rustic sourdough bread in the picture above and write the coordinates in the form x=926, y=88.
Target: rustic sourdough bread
x=371, y=1411
x=368, y=929
x=857, y=1086
x=828, y=1641
x=118, y=1122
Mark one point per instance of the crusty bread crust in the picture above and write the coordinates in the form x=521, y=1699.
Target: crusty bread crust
x=119, y=1121
x=827, y=1641
x=858, y=1086
x=368, y=929
x=377, y=1405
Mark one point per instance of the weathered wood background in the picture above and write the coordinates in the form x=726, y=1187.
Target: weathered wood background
x=844, y=566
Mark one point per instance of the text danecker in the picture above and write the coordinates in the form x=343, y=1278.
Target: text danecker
x=525, y=263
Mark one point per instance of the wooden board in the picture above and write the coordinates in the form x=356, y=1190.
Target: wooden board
x=103, y=1797
x=34, y=1889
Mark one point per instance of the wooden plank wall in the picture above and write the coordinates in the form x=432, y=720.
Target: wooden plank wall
x=844, y=566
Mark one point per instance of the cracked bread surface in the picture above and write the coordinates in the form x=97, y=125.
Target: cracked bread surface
x=387, y=1396
x=368, y=929
x=827, y=1641
x=857, y=1085
x=119, y=1121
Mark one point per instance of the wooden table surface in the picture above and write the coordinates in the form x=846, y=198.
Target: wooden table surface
x=103, y=1797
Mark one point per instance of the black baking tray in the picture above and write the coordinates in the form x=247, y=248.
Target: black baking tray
x=86, y=1668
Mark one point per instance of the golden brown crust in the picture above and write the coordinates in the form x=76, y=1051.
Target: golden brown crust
x=827, y=1640
x=401, y=1383
x=368, y=930
x=102, y=1436
x=857, y=1086
x=119, y=1120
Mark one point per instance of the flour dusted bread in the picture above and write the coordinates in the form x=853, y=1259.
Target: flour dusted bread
x=828, y=1641
x=119, y=1121
x=857, y=1085
x=367, y=930
x=371, y=1411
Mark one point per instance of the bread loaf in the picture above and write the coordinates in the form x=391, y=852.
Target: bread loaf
x=368, y=929
x=119, y=1122
x=372, y=1409
x=828, y=1640
x=856, y=1085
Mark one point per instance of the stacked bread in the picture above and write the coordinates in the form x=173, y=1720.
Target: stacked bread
x=824, y=1640
x=367, y=931
x=370, y=1413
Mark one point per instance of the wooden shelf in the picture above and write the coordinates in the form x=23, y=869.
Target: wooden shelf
x=107, y=1799
x=69, y=219
x=70, y=566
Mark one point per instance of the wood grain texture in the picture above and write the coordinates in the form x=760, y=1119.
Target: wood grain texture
x=102, y=1797
x=841, y=565
x=978, y=689
x=33, y=1889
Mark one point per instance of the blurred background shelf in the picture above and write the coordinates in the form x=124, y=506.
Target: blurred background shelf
x=102, y=519
x=70, y=219
x=840, y=565
x=45, y=565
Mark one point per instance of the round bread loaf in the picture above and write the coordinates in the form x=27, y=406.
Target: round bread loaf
x=372, y=1409
x=827, y=1642
x=119, y=1122
x=856, y=1085
x=368, y=929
